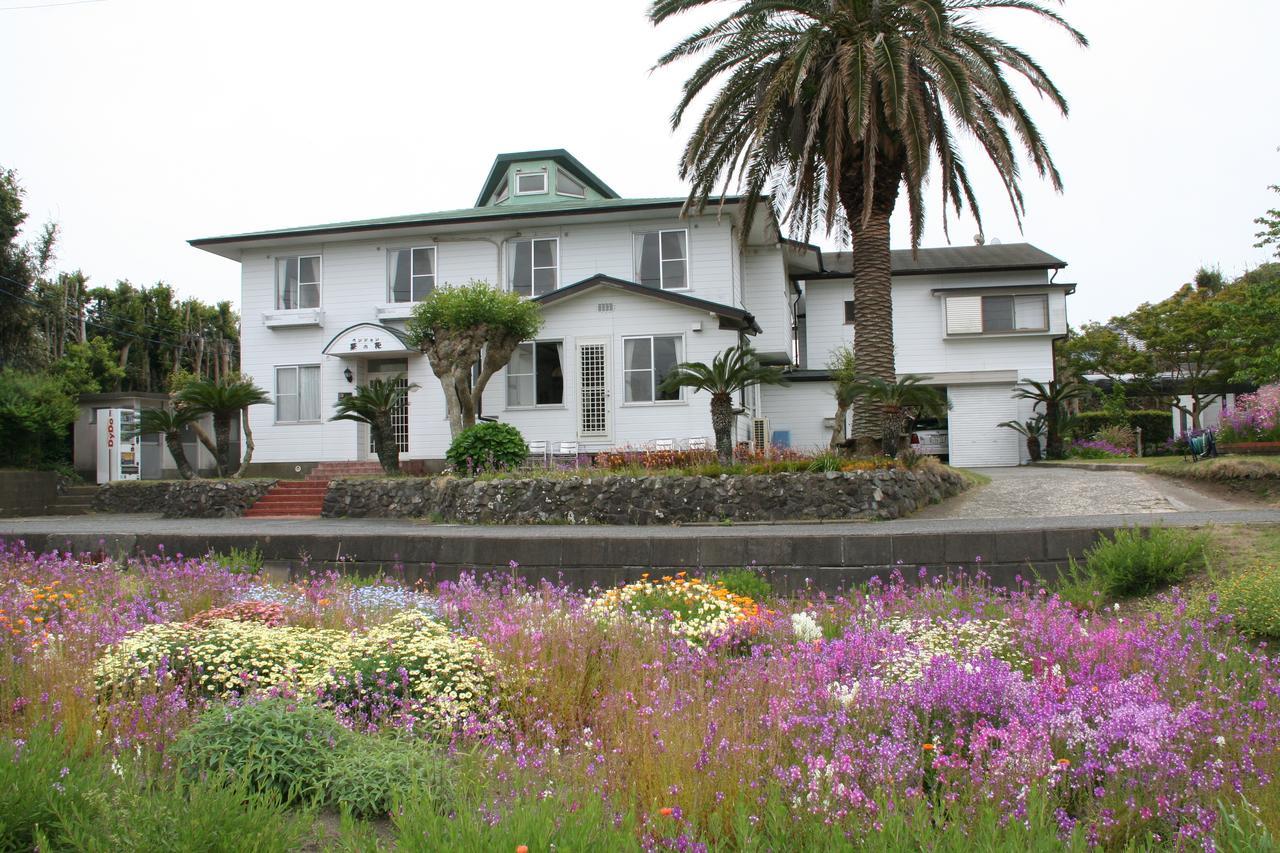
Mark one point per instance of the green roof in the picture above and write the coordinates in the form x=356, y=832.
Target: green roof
x=468, y=214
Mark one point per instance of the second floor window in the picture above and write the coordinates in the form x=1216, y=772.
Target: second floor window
x=1015, y=313
x=535, y=265
x=535, y=375
x=645, y=363
x=411, y=274
x=297, y=393
x=298, y=282
x=848, y=312
x=662, y=259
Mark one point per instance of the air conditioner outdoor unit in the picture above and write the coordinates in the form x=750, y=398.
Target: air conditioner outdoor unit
x=760, y=434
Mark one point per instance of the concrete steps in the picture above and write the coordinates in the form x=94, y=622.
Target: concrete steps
x=327, y=471
x=291, y=499
x=76, y=500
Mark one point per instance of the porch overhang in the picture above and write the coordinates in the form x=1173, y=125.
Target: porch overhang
x=729, y=317
x=369, y=340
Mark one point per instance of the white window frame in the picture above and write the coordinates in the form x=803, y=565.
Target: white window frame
x=319, y=282
x=638, y=257
x=435, y=259
x=564, y=388
x=533, y=267
x=561, y=174
x=1014, y=330
x=546, y=181
x=297, y=369
x=682, y=356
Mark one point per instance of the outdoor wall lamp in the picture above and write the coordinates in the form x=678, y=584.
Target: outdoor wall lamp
x=347, y=373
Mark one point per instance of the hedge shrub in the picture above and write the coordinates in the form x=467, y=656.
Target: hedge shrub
x=1156, y=425
x=488, y=446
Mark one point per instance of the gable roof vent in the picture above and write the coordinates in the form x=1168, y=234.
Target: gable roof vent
x=604, y=307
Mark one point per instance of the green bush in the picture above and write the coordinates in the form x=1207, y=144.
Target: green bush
x=1156, y=425
x=488, y=446
x=748, y=582
x=274, y=747
x=372, y=774
x=36, y=414
x=1252, y=597
x=247, y=561
x=1131, y=563
x=34, y=787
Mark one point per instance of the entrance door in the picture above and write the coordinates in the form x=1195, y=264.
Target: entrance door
x=594, y=421
x=387, y=369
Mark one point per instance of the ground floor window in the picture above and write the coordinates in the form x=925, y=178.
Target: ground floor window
x=535, y=376
x=297, y=393
x=646, y=362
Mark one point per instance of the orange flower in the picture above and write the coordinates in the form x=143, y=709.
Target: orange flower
x=522, y=848
x=928, y=747
x=323, y=602
x=1064, y=762
x=666, y=811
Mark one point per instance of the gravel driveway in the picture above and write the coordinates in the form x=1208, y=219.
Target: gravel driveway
x=1054, y=492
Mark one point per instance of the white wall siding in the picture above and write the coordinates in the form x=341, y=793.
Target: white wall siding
x=765, y=296
x=800, y=408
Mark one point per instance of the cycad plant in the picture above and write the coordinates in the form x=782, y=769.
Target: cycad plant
x=898, y=403
x=729, y=373
x=170, y=423
x=225, y=399
x=840, y=105
x=1031, y=429
x=375, y=404
x=1053, y=396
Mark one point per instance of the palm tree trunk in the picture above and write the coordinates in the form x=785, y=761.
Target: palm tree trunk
x=248, y=441
x=872, y=287
x=384, y=443
x=222, y=437
x=204, y=439
x=722, y=424
x=173, y=440
x=837, y=429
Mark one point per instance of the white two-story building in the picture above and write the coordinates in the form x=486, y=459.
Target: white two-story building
x=628, y=288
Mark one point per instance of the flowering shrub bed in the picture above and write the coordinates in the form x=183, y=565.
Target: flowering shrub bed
x=1255, y=417
x=939, y=715
x=687, y=607
x=1096, y=449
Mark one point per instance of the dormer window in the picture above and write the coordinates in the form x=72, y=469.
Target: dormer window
x=501, y=193
x=531, y=183
x=567, y=184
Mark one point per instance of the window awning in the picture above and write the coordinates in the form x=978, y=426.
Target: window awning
x=369, y=340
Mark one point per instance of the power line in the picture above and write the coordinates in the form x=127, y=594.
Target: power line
x=49, y=5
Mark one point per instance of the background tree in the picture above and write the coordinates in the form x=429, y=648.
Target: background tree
x=225, y=399
x=21, y=265
x=1250, y=325
x=729, y=373
x=36, y=414
x=170, y=423
x=897, y=404
x=1270, y=222
x=1181, y=335
x=469, y=333
x=844, y=104
x=375, y=404
x=1103, y=349
x=1053, y=396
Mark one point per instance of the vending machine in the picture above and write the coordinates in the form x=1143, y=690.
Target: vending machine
x=119, y=445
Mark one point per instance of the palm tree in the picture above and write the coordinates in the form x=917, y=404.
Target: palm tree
x=225, y=399
x=729, y=373
x=1031, y=429
x=846, y=102
x=170, y=423
x=897, y=403
x=375, y=404
x=1053, y=396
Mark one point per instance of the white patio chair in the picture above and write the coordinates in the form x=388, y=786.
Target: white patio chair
x=566, y=452
x=539, y=453
x=664, y=444
x=699, y=443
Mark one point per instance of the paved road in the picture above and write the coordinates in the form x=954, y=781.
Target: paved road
x=1059, y=492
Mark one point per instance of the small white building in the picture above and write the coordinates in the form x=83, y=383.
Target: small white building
x=628, y=288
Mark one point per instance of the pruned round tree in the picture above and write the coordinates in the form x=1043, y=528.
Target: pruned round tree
x=468, y=333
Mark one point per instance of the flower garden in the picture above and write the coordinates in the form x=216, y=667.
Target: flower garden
x=173, y=703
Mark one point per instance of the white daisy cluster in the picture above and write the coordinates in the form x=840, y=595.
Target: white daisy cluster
x=805, y=627
x=963, y=641
x=222, y=658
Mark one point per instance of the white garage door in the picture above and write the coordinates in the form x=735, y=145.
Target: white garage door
x=975, y=439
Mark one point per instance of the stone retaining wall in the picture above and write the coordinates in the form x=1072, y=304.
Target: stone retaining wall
x=645, y=500
x=181, y=498
x=27, y=492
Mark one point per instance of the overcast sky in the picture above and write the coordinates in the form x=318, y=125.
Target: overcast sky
x=138, y=124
